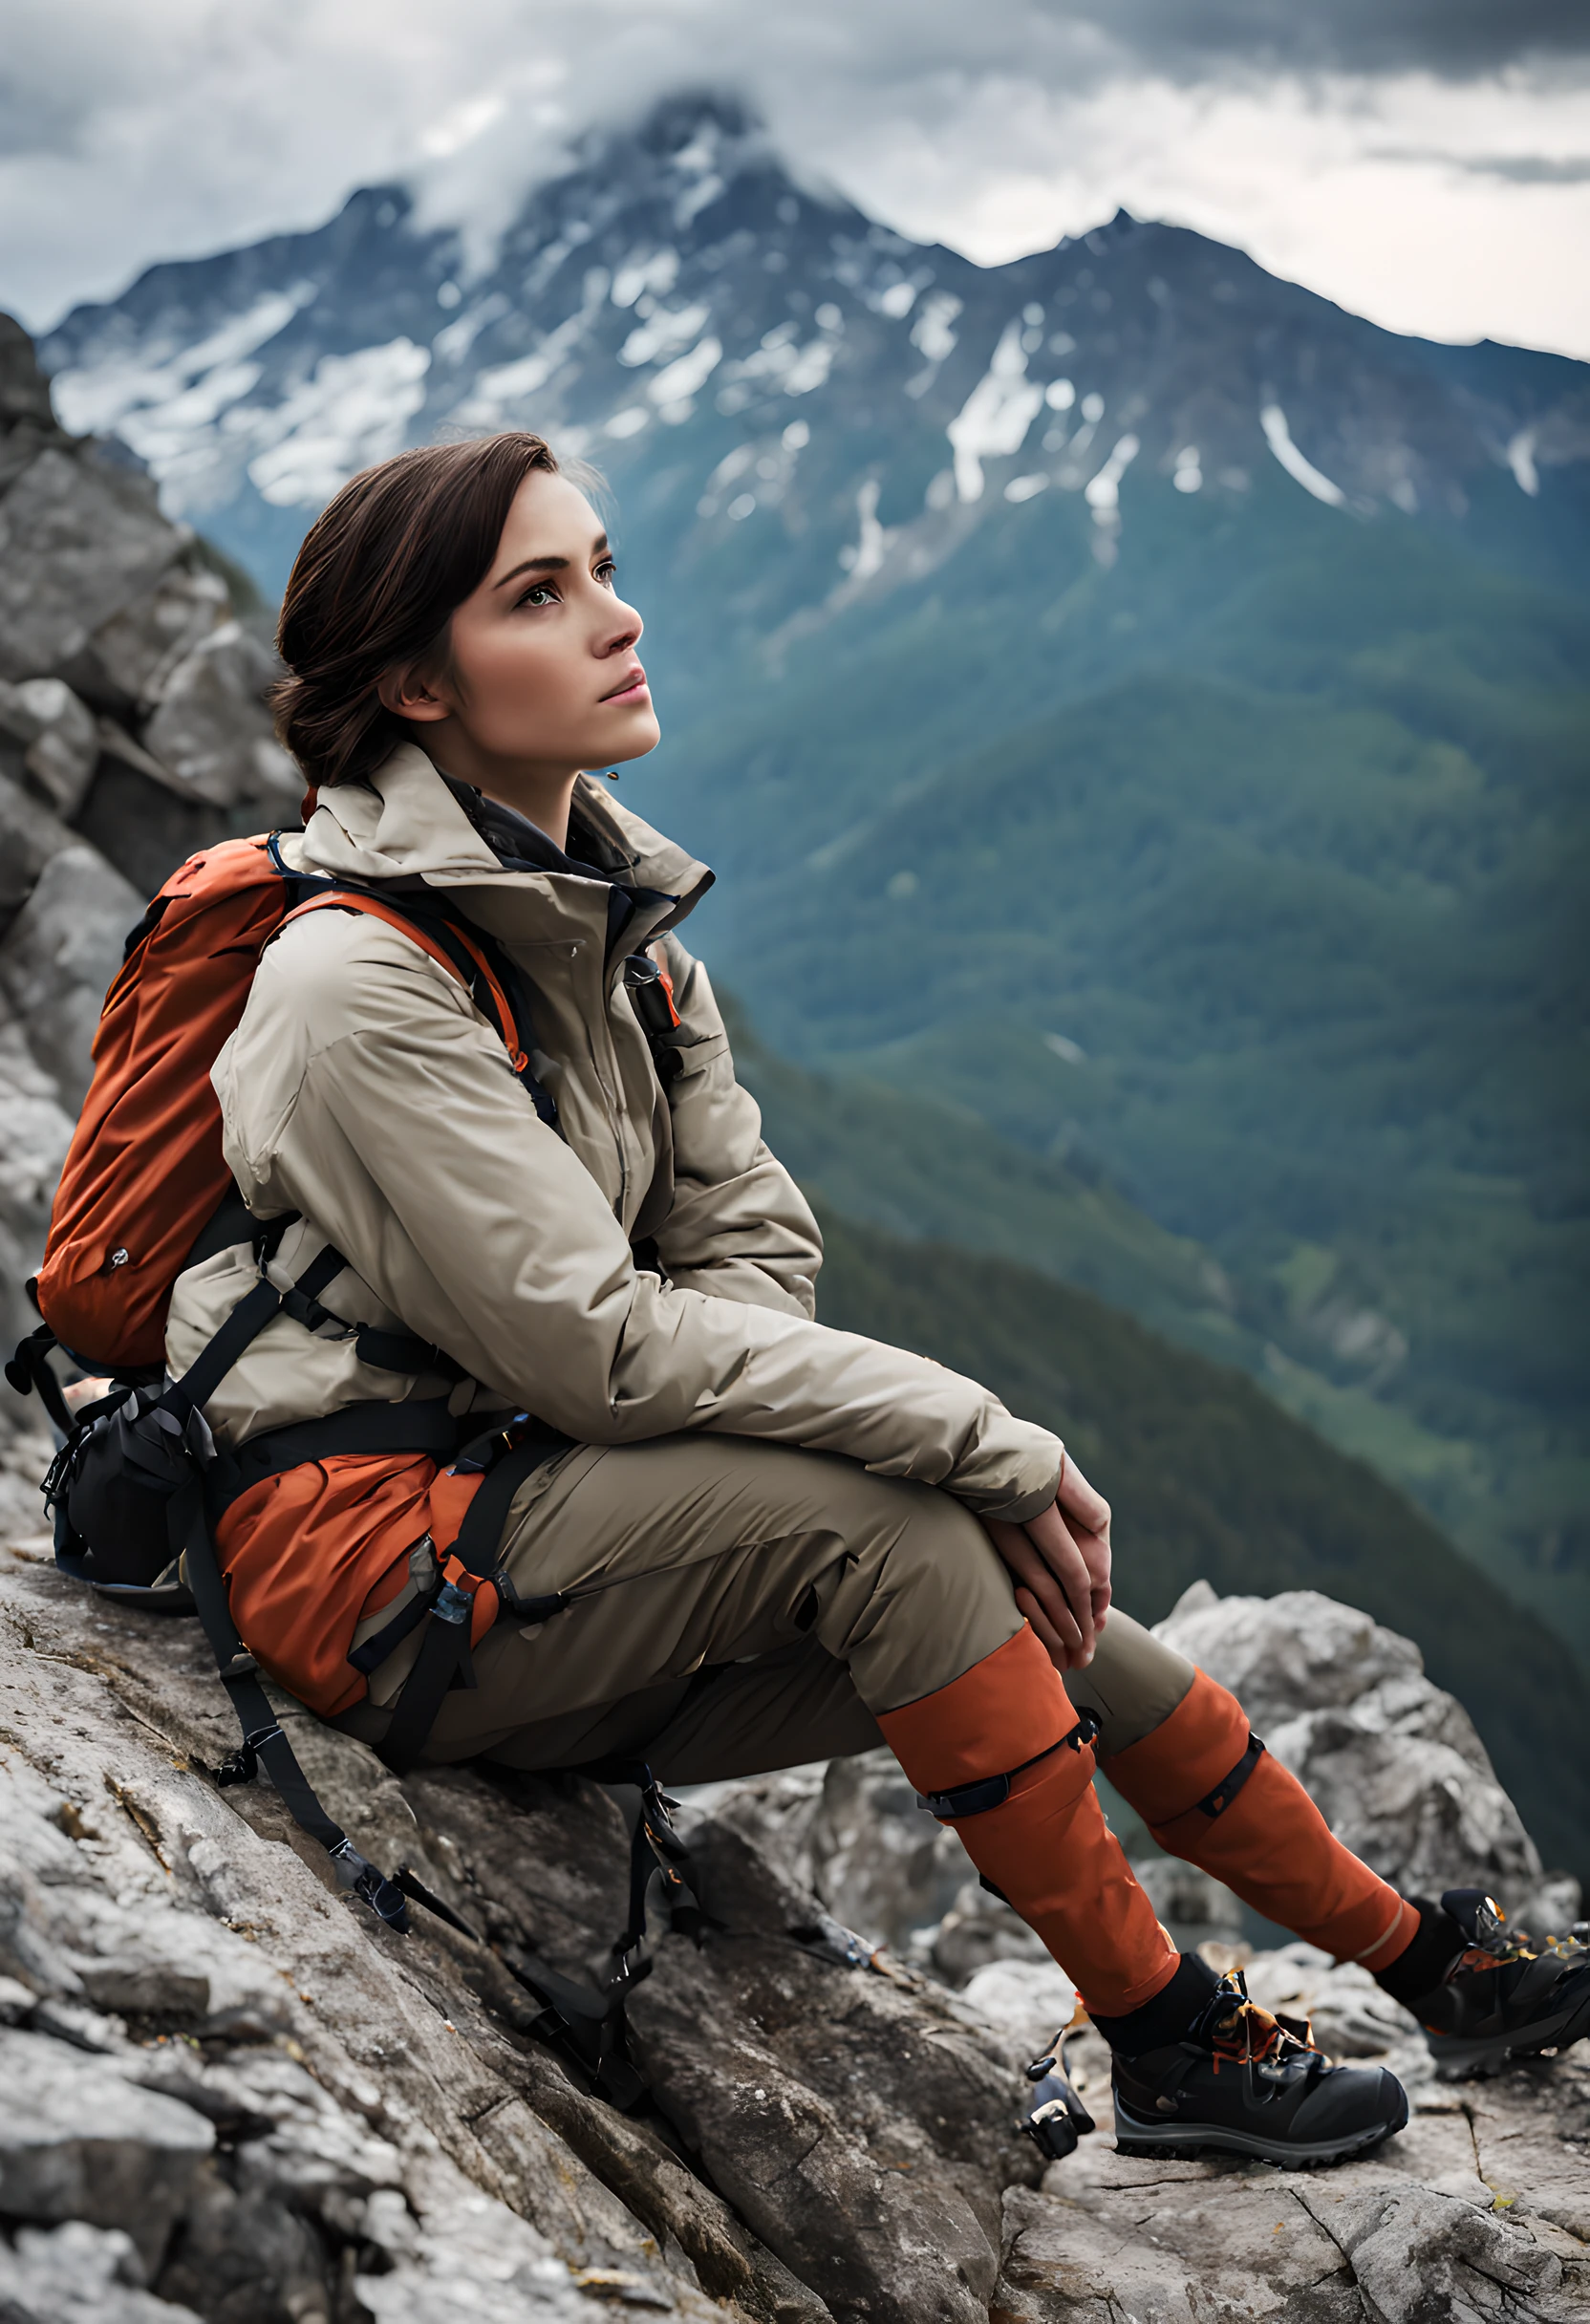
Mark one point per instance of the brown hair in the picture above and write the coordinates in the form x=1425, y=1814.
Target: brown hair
x=380, y=574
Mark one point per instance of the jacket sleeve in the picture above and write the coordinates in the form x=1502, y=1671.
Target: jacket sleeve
x=377, y=1103
x=739, y=1226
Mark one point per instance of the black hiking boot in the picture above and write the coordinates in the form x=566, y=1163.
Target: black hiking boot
x=1504, y=1994
x=1243, y=2082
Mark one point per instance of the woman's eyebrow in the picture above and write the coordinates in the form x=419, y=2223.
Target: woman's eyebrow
x=547, y=564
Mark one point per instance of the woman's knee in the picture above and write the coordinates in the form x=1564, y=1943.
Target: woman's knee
x=1132, y=1683
x=920, y=1597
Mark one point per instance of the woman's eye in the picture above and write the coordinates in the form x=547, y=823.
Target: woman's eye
x=607, y=572
x=540, y=592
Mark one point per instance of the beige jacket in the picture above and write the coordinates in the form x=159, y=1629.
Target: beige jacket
x=364, y=1090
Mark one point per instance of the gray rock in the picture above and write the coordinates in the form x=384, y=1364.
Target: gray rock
x=61, y=744
x=78, y=2141
x=59, y=955
x=1393, y=1762
x=143, y=824
x=1419, y=2256
x=79, y=541
x=29, y=836
x=35, y=1129
x=24, y=390
x=212, y=730
x=1189, y=1902
x=79, y=2274
x=977, y=1930
x=852, y=1832
x=135, y=651
x=26, y=419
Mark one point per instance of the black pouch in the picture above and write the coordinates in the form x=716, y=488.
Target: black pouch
x=111, y=1485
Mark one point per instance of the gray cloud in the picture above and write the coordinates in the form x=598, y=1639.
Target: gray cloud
x=177, y=127
x=1454, y=39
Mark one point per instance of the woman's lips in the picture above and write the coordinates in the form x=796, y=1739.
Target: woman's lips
x=629, y=690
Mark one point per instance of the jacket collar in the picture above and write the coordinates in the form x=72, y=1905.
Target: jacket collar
x=404, y=823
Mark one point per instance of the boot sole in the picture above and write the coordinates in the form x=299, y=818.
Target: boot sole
x=1183, y=2142
x=1455, y=2059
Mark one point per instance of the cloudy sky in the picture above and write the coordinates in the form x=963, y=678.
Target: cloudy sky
x=1424, y=162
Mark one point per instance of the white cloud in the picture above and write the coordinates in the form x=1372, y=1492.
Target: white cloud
x=1449, y=200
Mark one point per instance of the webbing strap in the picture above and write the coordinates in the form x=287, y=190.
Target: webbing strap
x=1215, y=1803
x=29, y=1368
x=426, y=1427
x=480, y=1537
x=242, y=1327
x=263, y=1738
x=443, y=1657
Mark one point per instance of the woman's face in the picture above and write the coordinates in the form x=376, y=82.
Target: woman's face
x=543, y=676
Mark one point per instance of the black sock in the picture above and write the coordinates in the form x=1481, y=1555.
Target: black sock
x=1421, y=1966
x=1167, y=2017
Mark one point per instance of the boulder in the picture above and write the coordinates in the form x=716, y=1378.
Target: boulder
x=133, y=653
x=142, y=822
x=29, y=836
x=1393, y=1762
x=79, y=2140
x=79, y=2274
x=79, y=540
x=58, y=957
x=60, y=742
x=35, y=1129
x=26, y=419
x=212, y=730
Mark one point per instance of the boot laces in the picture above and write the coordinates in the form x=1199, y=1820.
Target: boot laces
x=1238, y=2031
x=1497, y=1946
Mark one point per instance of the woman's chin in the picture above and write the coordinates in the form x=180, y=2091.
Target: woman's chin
x=640, y=734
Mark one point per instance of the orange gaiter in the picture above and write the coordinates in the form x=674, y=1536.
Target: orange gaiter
x=1046, y=1848
x=1267, y=1840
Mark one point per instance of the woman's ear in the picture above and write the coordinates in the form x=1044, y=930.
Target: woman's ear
x=407, y=695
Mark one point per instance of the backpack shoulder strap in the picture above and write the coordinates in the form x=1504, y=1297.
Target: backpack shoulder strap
x=463, y=953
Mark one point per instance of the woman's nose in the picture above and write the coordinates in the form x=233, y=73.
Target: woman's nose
x=626, y=631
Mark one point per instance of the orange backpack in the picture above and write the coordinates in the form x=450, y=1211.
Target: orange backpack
x=144, y=1172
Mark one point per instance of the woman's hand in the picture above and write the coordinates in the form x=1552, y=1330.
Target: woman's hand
x=1060, y=1562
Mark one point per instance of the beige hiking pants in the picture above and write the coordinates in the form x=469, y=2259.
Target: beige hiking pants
x=743, y=1607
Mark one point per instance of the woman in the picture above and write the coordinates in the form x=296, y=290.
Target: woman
x=765, y=1542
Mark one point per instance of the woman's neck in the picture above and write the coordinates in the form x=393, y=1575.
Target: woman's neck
x=543, y=795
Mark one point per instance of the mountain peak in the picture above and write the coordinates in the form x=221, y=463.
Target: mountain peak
x=676, y=295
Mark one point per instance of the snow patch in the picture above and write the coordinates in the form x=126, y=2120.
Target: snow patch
x=95, y=398
x=1103, y=492
x=1278, y=436
x=1520, y=459
x=931, y=334
x=665, y=333
x=653, y=270
x=351, y=414
x=994, y=420
x=453, y=342
x=629, y=422
x=1188, y=473
x=680, y=380
x=1025, y=487
x=865, y=557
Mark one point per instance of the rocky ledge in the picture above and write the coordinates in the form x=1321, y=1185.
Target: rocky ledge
x=231, y=2093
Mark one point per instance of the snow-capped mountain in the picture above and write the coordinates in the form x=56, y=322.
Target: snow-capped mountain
x=678, y=303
